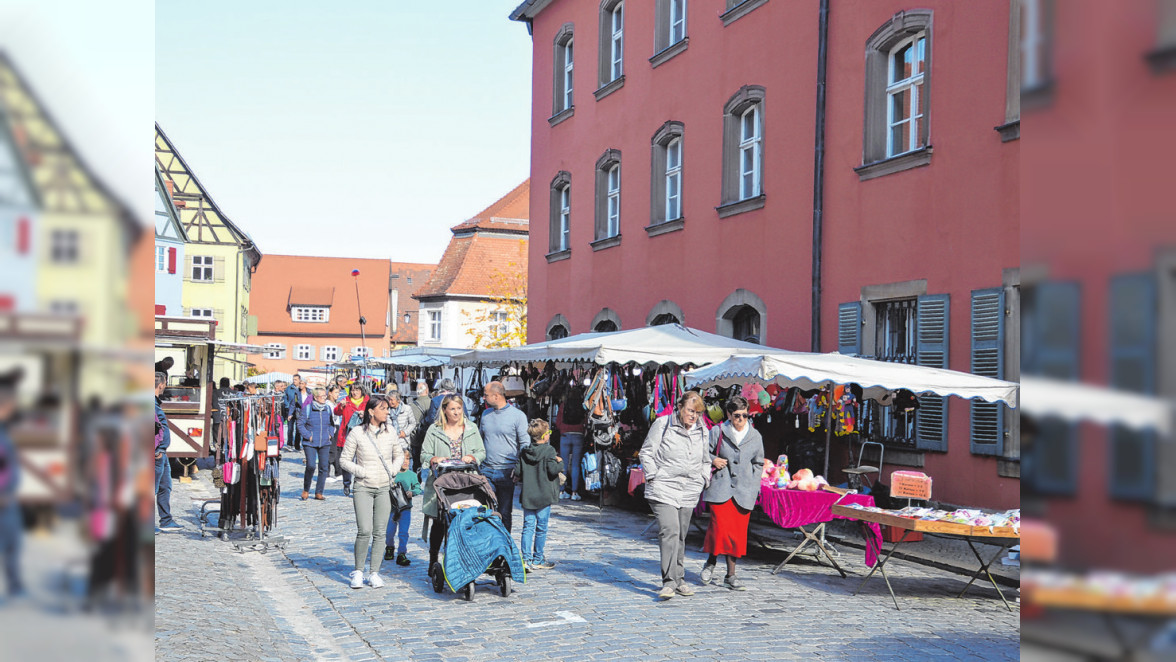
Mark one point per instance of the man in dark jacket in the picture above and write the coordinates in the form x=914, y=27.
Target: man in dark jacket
x=163, y=481
x=293, y=404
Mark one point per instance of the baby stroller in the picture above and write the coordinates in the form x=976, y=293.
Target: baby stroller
x=476, y=541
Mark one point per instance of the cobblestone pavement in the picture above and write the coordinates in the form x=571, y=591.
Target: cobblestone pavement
x=598, y=603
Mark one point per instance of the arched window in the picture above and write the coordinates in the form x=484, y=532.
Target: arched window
x=743, y=151
x=608, y=196
x=562, y=60
x=665, y=312
x=898, y=95
x=606, y=320
x=612, y=41
x=556, y=332
x=560, y=224
x=665, y=318
x=741, y=316
x=667, y=162
x=605, y=326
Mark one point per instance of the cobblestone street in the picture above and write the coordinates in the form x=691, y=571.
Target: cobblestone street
x=597, y=604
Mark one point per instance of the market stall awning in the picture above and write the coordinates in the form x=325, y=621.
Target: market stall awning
x=812, y=371
x=1075, y=401
x=418, y=357
x=236, y=347
x=271, y=377
x=669, y=343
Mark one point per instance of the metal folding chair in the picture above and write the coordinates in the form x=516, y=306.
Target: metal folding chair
x=857, y=475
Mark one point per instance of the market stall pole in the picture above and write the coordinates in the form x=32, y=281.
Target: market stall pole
x=1001, y=536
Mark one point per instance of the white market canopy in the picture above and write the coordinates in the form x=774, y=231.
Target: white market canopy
x=812, y=371
x=668, y=343
x=270, y=378
x=417, y=357
x=1075, y=401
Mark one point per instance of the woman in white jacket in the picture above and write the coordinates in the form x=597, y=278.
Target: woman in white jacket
x=373, y=455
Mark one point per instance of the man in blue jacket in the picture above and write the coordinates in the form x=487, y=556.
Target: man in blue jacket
x=163, y=481
x=293, y=405
x=11, y=529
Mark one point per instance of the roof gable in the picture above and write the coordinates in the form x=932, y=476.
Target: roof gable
x=510, y=213
x=62, y=180
x=199, y=214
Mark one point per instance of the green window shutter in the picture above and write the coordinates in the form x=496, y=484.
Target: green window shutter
x=934, y=320
x=849, y=328
x=988, y=335
x=1133, y=461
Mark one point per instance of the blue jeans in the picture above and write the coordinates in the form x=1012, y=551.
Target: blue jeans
x=398, y=525
x=535, y=534
x=571, y=448
x=316, y=456
x=10, y=538
x=504, y=489
x=163, y=487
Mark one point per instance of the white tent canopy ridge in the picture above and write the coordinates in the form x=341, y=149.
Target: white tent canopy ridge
x=813, y=371
x=658, y=345
x=1076, y=401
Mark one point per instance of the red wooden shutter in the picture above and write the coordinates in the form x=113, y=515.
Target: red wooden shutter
x=22, y=236
x=171, y=259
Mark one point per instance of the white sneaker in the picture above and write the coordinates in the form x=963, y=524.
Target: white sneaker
x=375, y=581
x=564, y=496
x=576, y=497
x=334, y=479
x=357, y=579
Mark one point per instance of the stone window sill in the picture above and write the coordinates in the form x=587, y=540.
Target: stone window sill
x=559, y=255
x=609, y=87
x=740, y=206
x=607, y=242
x=1162, y=59
x=915, y=159
x=739, y=11
x=906, y=458
x=561, y=115
x=1009, y=131
x=1008, y=468
x=668, y=226
x=669, y=52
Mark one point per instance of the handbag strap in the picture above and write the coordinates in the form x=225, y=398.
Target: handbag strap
x=380, y=455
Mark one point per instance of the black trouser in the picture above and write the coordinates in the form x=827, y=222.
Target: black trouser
x=293, y=437
x=436, y=537
x=339, y=471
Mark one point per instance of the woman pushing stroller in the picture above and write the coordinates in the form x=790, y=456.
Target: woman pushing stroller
x=451, y=437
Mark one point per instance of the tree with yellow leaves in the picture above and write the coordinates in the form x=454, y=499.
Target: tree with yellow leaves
x=502, y=322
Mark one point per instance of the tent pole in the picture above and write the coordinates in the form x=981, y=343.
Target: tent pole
x=828, y=426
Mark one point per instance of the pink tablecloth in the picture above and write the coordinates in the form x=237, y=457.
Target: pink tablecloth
x=793, y=508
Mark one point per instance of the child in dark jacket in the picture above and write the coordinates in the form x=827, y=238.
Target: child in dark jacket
x=398, y=523
x=538, y=470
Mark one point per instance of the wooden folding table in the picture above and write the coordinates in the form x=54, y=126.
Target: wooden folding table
x=1000, y=536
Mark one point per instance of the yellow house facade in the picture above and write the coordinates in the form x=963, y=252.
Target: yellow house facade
x=84, y=235
x=219, y=259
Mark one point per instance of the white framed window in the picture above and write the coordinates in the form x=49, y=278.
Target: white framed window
x=614, y=201
x=365, y=352
x=617, y=43
x=904, y=95
x=565, y=217
x=63, y=307
x=435, y=325
x=160, y=259
x=500, y=322
x=674, y=179
x=677, y=21
x=567, y=73
x=310, y=314
x=750, y=144
x=63, y=246
x=202, y=268
x=202, y=312
x=331, y=353
x=275, y=350
x=304, y=352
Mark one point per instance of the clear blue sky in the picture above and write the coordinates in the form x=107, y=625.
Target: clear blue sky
x=361, y=129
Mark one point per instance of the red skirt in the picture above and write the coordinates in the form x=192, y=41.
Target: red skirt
x=727, y=533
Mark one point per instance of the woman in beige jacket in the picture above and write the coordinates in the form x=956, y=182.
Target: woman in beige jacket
x=373, y=454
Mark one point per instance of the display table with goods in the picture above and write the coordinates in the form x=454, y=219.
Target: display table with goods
x=800, y=508
x=973, y=526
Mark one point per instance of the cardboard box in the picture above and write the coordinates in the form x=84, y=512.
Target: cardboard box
x=892, y=534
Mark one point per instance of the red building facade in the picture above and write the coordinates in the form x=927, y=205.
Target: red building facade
x=675, y=151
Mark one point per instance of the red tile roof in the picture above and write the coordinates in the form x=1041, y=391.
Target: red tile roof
x=510, y=213
x=484, y=250
x=282, y=281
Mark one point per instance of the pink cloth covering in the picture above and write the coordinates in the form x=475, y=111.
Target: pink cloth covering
x=793, y=508
x=636, y=478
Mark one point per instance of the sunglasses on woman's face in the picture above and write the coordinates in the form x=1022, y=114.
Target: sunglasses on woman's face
x=740, y=415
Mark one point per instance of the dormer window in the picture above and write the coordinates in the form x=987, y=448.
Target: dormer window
x=310, y=314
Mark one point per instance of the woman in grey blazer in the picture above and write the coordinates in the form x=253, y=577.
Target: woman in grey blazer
x=737, y=460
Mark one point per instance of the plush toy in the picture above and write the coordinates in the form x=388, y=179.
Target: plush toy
x=769, y=468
